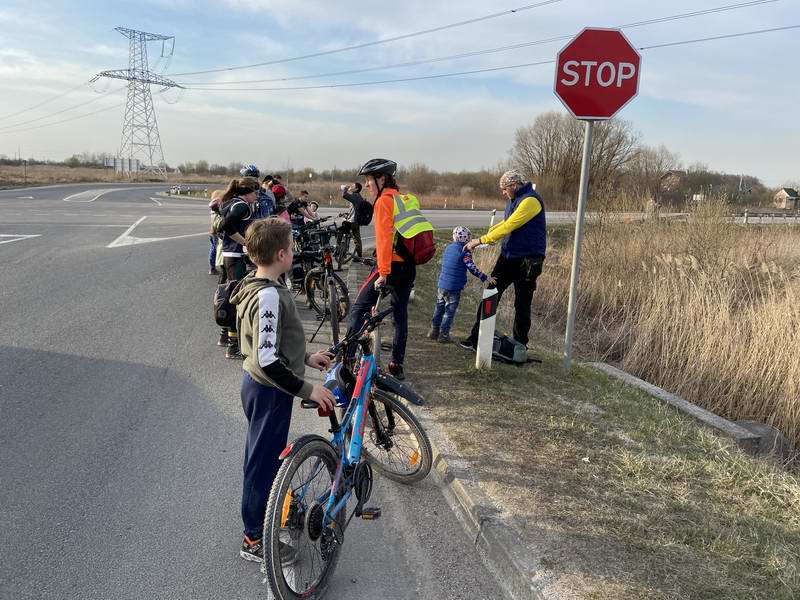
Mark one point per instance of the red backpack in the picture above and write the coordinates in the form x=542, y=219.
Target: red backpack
x=419, y=246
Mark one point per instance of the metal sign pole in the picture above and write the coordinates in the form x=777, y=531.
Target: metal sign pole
x=576, y=253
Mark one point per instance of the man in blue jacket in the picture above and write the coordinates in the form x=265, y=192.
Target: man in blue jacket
x=524, y=235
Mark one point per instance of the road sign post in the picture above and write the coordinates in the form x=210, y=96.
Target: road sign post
x=597, y=74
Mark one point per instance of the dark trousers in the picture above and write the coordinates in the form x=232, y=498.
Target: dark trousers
x=522, y=274
x=269, y=412
x=235, y=269
x=401, y=279
x=212, y=251
x=355, y=231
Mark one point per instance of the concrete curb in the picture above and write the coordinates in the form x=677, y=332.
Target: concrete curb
x=745, y=439
x=501, y=546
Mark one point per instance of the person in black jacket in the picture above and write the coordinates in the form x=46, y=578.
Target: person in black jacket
x=360, y=214
x=237, y=214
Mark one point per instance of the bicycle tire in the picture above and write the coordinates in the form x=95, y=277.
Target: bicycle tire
x=419, y=455
x=333, y=301
x=280, y=519
x=317, y=293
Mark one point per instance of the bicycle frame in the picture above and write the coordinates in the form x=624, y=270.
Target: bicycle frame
x=354, y=419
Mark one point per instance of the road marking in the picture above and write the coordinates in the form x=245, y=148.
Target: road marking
x=88, y=192
x=24, y=197
x=126, y=239
x=156, y=201
x=16, y=237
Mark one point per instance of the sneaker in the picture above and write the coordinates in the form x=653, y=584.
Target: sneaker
x=444, y=337
x=396, y=369
x=468, y=343
x=433, y=333
x=253, y=550
x=213, y=271
x=223, y=340
x=233, y=352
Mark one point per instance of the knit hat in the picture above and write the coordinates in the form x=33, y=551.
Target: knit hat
x=461, y=234
x=512, y=177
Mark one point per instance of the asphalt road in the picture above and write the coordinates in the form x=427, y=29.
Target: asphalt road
x=121, y=430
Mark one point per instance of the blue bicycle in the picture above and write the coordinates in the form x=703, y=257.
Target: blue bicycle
x=308, y=505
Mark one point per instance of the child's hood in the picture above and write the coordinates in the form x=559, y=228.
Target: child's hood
x=248, y=292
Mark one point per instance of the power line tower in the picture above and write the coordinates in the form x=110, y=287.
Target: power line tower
x=140, y=138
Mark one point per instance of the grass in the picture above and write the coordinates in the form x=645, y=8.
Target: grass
x=703, y=308
x=618, y=495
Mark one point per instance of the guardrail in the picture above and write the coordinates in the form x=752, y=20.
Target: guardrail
x=767, y=217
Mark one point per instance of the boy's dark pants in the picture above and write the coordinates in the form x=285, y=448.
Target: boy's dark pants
x=269, y=412
x=522, y=274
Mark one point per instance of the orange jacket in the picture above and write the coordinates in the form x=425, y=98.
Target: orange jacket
x=384, y=231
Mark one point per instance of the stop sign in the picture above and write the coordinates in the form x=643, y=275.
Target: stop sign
x=597, y=73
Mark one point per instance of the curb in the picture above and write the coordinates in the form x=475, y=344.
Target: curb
x=501, y=547
x=745, y=439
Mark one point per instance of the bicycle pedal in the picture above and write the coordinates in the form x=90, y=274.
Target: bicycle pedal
x=371, y=513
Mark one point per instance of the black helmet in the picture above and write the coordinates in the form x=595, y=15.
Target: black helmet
x=379, y=166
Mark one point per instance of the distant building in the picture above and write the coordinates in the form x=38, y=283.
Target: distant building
x=787, y=198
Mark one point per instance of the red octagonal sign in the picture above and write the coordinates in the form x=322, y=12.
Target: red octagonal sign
x=597, y=73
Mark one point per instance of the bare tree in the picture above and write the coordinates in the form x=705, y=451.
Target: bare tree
x=645, y=169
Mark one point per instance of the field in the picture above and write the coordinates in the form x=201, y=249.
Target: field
x=704, y=308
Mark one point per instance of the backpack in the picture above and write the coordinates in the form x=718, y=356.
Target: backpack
x=224, y=311
x=508, y=350
x=363, y=214
x=420, y=248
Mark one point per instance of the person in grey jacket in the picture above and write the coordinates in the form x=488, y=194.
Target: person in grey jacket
x=273, y=343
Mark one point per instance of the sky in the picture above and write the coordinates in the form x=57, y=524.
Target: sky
x=730, y=104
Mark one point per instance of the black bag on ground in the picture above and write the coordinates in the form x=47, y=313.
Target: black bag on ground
x=508, y=350
x=224, y=311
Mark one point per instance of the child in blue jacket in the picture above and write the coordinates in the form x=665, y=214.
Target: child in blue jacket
x=453, y=277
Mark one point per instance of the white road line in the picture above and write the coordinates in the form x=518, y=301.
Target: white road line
x=156, y=201
x=126, y=239
x=120, y=241
x=86, y=192
x=16, y=238
x=24, y=197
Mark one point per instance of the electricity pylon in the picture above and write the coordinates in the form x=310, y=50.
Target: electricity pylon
x=140, y=138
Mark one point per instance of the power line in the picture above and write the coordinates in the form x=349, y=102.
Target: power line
x=719, y=37
x=658, y=20
x=82, y=104
x=76, y=117
x=373, y=43
x=487, y=70
x=48, y=101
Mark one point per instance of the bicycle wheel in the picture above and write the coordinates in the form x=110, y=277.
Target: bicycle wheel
x=404, y=454
x=342, y=297
x=333, y=302
x=343, y=254
x=295, y=516
x=316, y=294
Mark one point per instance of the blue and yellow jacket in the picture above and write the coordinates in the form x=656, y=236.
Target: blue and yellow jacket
x=524, y=228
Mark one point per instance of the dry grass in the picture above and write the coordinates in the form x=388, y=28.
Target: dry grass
x=704, y=308
x=56, y=174
x=617, y=495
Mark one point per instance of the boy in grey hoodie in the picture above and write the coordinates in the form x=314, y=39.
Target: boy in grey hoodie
x=272, y=340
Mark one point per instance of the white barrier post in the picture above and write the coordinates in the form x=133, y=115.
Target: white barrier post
x=745, y=217
x=491, y=221
x=483, y=356
x=473, y=204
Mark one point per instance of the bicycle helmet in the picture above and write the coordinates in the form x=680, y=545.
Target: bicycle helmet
x=379, y=166
x=249, y=171
x=461, y=234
